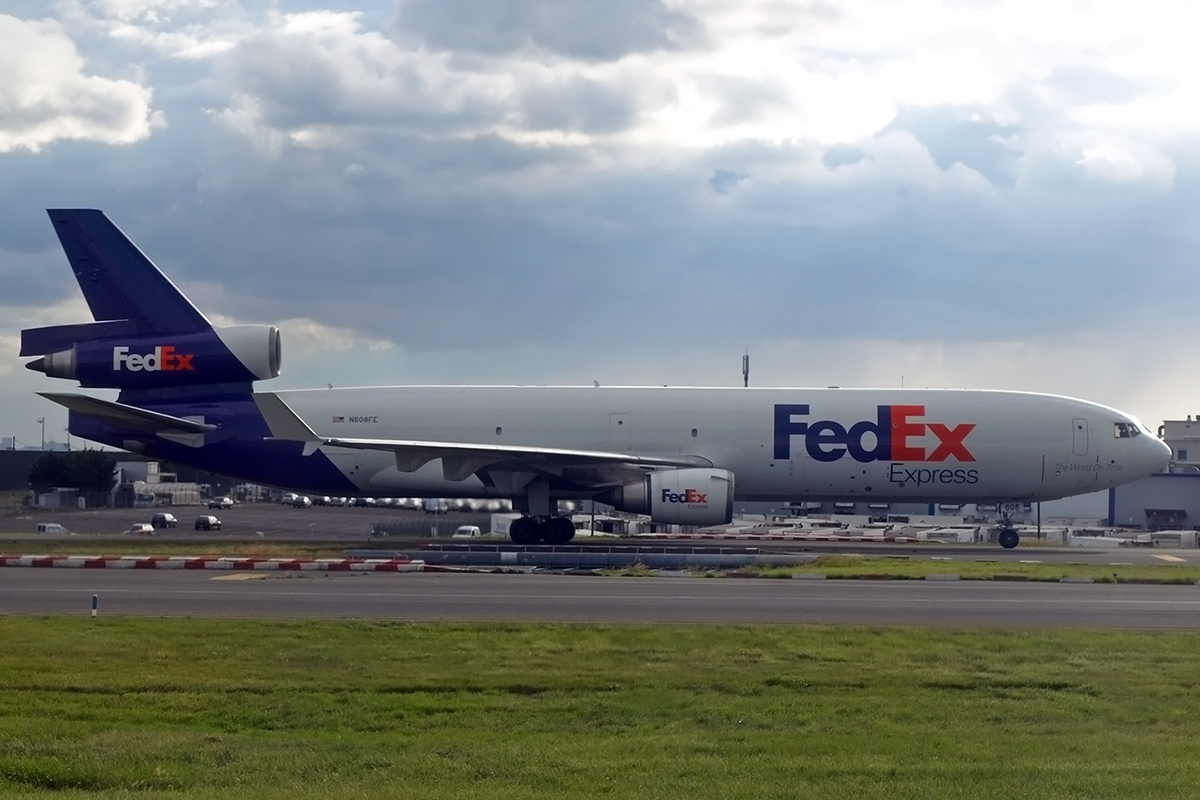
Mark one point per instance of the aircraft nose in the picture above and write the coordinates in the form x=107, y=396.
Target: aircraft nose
x=1155, y=454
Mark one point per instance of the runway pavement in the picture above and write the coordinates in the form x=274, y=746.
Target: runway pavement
x=535, y=597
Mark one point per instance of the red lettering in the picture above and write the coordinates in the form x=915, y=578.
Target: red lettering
x=168, y=358
x=184, y=361
x=902, y=429
x=951, y=442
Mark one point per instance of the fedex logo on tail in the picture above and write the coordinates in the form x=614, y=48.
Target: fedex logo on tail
x=162, y=359
x=894, y=435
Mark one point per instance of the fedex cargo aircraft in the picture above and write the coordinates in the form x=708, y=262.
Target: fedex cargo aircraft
x=680, y=455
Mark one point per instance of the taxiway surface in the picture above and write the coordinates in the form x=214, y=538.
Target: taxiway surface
x=534, y=597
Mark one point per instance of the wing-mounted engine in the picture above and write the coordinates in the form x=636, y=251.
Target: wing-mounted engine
x=678, y=496
x=236, y=354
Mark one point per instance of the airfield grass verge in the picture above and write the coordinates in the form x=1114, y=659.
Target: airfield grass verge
x=214, y=708
x=850, y=566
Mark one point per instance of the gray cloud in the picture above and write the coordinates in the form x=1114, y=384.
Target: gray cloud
x=581, y=105
x=574, y=28
x=963, y=135
x=741, y=99
x=298, y=80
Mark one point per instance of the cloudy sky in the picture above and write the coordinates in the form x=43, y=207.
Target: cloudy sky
x=859, y=193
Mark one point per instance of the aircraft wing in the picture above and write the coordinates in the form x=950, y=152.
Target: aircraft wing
x=460, y=460
x=129, y=417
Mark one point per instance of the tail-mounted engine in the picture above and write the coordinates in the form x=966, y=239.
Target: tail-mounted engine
x=90, y=354
x=678, y=496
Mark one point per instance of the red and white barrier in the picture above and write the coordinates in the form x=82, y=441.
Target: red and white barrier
x=216, y=563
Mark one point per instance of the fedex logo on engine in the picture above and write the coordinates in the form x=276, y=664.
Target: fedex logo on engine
x=162, y=359
x=894, y=435
x=688, y=496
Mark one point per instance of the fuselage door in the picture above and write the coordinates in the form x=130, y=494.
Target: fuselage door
x=1079, y=437
x=620, y=432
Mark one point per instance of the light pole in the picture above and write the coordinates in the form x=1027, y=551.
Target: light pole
x=42, y=420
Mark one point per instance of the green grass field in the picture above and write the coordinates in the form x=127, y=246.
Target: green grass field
x=212, y=708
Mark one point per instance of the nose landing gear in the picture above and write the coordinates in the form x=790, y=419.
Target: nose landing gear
x=1008, y=536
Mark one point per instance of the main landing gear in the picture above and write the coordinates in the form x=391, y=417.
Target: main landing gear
x=550, y=530
x=1008, y=538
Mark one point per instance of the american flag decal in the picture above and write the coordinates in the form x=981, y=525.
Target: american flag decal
x=339, y=419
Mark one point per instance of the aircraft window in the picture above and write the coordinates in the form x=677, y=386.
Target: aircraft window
x=1125, y=430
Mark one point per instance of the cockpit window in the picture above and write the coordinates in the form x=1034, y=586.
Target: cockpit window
x=1126, y=430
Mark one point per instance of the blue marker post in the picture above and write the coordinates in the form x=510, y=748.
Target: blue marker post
x=95, y=603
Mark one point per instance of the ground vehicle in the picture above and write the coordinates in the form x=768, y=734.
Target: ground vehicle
x=220, y=502
x=164, y=521
x=207, y=522
x=51, y=527
x=466, y=532
x=140, y=529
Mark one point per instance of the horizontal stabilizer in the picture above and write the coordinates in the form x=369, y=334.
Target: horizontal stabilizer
x=56, y=338
x=128, y=418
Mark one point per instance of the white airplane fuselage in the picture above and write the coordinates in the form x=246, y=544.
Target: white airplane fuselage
x=922, y=445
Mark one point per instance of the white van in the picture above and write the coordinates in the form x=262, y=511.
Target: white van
x=467, y=532
x=51, y=527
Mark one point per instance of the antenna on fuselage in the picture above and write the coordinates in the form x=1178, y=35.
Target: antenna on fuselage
x=746, y=370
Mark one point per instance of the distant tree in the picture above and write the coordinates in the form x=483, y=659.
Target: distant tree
x=48, y=471
x=87, y=470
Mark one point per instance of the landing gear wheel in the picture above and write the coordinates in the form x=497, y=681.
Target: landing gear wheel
x=1008, y=538
x=558, y=530
x=525, y=531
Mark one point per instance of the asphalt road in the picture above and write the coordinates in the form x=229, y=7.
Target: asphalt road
x=534, y=597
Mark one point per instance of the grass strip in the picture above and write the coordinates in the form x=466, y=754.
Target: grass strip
x=211, y=708
x=916, y=568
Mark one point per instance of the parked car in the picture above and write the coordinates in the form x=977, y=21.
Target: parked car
x=140, y=529
x=51, y=527
x=207, y=522
x=299, y=501
x=164, y=520
x=466, y=532
x=220, y=502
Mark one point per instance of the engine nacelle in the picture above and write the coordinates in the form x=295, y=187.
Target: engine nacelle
x=691, y=496
x=235, y=354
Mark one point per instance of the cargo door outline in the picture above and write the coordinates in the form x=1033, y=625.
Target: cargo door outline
x=1079, y=437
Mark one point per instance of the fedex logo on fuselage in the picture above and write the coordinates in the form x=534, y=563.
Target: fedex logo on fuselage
x=892, y=436
x=162, y=359
x=688, y=496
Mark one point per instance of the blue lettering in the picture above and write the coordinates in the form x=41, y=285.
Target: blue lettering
x=785, y=429
x=825, y=433
x=881, y=429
